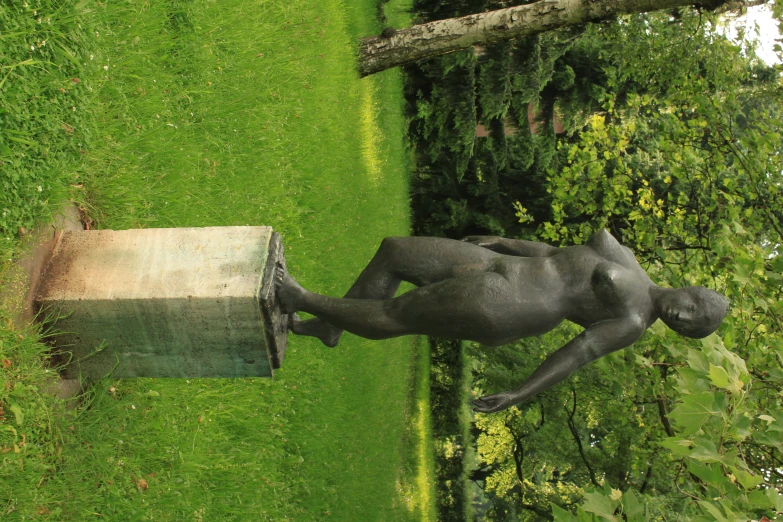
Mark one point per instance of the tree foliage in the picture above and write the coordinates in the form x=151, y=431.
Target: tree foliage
x=463, y=184
x=683, y=165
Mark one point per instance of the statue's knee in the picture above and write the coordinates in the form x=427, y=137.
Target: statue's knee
x=390, y=247
x=390, y=243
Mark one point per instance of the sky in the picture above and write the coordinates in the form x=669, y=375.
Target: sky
x=767, y=27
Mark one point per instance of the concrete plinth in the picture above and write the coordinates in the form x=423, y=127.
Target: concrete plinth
x=176, y=302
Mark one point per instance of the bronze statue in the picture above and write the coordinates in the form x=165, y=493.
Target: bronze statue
x=495, y=290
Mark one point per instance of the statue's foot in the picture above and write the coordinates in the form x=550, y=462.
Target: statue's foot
x=290, y=294
x=328, y=334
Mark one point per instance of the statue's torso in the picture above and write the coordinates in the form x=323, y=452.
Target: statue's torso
x=585, y=284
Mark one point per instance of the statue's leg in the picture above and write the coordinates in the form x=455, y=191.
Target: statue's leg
x=418, y=260
x=478, y=306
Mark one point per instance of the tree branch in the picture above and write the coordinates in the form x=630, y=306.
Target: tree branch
x=438, y=37
x=667, y=427
x=646, y=478
x=519, y=456
x=575, y=433
x=662, y=413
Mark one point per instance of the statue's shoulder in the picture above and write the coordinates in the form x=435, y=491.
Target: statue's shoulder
x=603, y=239
x=607, y=246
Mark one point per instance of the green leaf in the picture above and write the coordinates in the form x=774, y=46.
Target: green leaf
x=776, y=499
x=707, y=473
x=697, y=360
x=602, y=505
x=18, y=413
x=719, y=377
x=739, y=429
x=759, y=499
x=732, y=363
x=631, y=505
x=561, y=515
x=773, y=423
x=769, y=439
x=583, y=516
x=693, y=412
x=747, y=480
x=658, y=329
x=678, y=447
x=742, y=273
x=714, y=511
x=692, y=381
x=706, y=451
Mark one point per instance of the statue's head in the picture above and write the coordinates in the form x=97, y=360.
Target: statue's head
x=693, y=311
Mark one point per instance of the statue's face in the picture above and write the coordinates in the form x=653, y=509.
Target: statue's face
x=680, y=311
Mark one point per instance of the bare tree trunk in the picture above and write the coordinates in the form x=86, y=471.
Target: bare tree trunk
x=394, y=48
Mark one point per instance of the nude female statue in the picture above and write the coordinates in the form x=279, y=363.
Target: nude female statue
x=495, y=290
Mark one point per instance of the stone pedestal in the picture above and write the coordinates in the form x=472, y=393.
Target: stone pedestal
x=176, y=302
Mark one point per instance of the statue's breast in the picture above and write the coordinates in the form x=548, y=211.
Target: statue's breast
x=611, y=288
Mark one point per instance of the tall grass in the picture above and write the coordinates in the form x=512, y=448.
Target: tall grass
x=222, y=113
x=40, y=109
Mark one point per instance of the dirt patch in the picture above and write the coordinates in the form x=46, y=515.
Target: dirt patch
x=40, y=243
x=18, y=295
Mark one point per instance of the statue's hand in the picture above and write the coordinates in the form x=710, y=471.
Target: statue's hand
x=492, y=403
x=490, y=242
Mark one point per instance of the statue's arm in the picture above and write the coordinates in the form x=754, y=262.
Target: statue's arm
x=512, y=247
x=596, y=341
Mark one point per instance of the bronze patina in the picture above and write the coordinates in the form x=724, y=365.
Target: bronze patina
x=495, y=290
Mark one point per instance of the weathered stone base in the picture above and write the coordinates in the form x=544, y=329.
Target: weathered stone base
x=188, y=302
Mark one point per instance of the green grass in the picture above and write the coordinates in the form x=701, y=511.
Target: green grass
x=201, y=114
x=39, y=95
x=418, y=485
x=397, y=13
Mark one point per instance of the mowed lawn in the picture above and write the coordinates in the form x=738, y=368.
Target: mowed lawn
x=230, y=112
